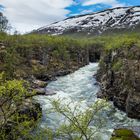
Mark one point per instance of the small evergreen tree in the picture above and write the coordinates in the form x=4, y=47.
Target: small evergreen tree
x=3, y=23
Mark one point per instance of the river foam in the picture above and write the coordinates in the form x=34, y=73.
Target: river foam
x=80, y=88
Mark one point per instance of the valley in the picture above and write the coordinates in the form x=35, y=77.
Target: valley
x=76, y=79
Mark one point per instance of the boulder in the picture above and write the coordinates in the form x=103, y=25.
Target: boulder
x=124, y=134
x=39, y=83
x=133, y=105
x=44, y=91
x=63, y=72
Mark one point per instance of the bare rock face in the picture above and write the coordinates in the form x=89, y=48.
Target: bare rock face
x=119, y=75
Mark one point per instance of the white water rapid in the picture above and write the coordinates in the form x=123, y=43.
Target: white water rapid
x=80, y=87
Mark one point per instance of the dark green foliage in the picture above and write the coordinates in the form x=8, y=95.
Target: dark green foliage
x=124, y=134
x=117, y=65
x=3, y=23
x=17, y=113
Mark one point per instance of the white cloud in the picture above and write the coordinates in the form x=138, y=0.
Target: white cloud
x=26, y=15
x=112, y=3
x=82, y=12
x=86, y=11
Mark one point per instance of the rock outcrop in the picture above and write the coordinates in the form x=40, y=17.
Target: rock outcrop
x=119, y=75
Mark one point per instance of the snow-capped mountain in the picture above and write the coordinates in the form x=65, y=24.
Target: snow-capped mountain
x=116, y=18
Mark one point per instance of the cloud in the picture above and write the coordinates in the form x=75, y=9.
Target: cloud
x=112, y=3
x=86, y=11
x=26, y=15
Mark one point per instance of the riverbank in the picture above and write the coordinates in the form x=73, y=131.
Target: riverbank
x=34, y=61
x=119, y=75
x=80, y=88
x=39, y=59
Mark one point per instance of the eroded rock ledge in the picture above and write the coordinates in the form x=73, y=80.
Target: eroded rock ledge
x=119, y=75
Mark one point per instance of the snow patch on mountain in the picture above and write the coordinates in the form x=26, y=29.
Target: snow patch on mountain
x=121, y=17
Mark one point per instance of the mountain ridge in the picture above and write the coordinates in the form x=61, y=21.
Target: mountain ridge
x=98, y=12
x=97, y=23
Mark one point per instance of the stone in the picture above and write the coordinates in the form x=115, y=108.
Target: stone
x=123, y=134
x=63, y=72
x=137, y=84
x=39, y=83
x=133, y=105
x=44, y=91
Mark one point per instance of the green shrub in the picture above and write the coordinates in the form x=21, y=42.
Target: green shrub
x=13, y=96
x=124, y=134
x=117, y=65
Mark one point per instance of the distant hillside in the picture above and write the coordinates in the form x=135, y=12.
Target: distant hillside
x=116, y=19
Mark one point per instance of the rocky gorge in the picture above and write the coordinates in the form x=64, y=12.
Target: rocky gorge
x=40, y=60
x=119, y=78
x=78, y=78
x=119, y=75
x=37, y=64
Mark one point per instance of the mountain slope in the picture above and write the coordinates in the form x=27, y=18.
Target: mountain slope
x=117, y=18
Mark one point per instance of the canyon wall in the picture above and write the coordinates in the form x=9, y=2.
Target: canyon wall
x=119, y=75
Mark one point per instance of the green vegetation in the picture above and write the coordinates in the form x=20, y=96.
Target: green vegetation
x=124, y=134
x=16, y=119
x=35, y=54
x=3, y=23
x=77, y=124
x=43, y=56
x=117, y=65
x=26, y=55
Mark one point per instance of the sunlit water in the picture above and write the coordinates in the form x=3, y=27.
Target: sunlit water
x=80, y=87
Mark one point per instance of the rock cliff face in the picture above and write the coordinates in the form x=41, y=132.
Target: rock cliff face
x=45, y=63
x=119, y=75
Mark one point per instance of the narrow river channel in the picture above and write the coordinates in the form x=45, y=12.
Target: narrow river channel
x=80, y=87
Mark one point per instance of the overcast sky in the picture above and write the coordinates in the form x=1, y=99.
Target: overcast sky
x=26, y=15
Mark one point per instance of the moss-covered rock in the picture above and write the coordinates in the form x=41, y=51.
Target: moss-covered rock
x=124, y=134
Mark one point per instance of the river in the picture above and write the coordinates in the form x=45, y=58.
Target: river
x=80, y=87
